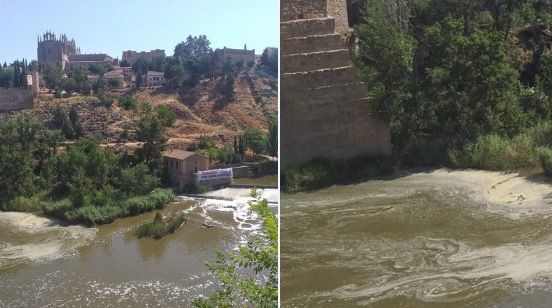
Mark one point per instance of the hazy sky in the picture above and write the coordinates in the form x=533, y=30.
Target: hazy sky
x=111, y=27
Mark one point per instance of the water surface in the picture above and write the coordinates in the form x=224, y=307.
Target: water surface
x=57, y=267
x=415, y=241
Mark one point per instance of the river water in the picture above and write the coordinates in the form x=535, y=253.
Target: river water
x=43, y=264
x=433, y=239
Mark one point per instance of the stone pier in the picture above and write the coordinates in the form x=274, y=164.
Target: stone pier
x=325, y=111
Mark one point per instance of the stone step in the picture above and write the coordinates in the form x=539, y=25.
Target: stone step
x=319, y=78
x=327, y=111
x=327, y=93
x=304, y=62
x=302, y=9
x=314, y=43
x=307, y=27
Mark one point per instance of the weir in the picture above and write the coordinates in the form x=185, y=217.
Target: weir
x=324, y=105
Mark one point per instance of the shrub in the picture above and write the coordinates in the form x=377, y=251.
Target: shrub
x=25, y=204
x=320, y=172
x=127, y=102
x=545, y=159
x=159, y=228
x=493, y=152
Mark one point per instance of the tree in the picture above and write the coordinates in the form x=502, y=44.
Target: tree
x=269, y=60
x=254, y=139
x=140, y=67
x=167, y=116
x=151, y=131
x=193, y=48
x=138, y=181
x=228, y=87
x=52, y=74
x=272, y=136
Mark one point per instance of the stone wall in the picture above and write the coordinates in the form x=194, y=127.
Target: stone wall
x=325, y=111
x=338, y=10
x=302, y=9
x=15, y=98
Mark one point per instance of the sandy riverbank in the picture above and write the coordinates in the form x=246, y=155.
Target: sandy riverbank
x=500, y=188
x=30, y=237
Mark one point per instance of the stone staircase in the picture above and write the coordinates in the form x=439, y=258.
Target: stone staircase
x=324, y=109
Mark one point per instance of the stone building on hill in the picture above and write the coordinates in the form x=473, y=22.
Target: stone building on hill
x=86, y=60
x=52, y=48
x=235, y=55
x=154, y=79
x=131, y=56
x=64, y=52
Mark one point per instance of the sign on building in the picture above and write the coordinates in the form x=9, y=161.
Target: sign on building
x=215, y=174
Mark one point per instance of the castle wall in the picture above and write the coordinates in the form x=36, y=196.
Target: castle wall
x=16, y=99
x=325, y=111
x=236, y=55
x=132, y=56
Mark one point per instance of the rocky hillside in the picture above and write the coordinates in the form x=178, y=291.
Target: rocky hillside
x=201, y=110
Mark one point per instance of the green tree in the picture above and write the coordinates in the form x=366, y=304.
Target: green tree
x=52, y=74
x=272, y=136
x=254, y=139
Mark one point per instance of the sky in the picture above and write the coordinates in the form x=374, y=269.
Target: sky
x=107, y=26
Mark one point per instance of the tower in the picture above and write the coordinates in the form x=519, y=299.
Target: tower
x=54, y=49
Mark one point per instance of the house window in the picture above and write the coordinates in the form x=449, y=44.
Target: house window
x=176, y=165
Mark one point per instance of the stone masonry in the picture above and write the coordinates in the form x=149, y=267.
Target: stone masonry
x=19, y=98
x=324, y=107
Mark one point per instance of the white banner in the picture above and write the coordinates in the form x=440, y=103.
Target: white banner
x=215, y=174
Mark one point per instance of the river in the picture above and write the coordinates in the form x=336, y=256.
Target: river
x=426, y=239
x=46, y=264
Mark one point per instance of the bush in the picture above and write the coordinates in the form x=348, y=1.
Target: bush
x=159, y=228
x=25, y=204
x=127, y=102
x=138, y=181
x=493, y=152
x=320, y=172
x=545, y=159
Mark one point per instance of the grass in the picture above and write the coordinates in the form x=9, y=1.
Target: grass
x=97, y=214
x=319, y=173
x=159, y=227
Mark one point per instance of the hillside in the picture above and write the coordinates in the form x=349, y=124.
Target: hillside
x=200, y=110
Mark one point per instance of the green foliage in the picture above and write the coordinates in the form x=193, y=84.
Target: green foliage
x=52, y=74
x=159, y=227
x=445, y=73
x=493, y=152
x=138, y=181
x=254, y=139
x=319, y=173
x=128, y=102
x=272, y=136
x=94, y=214
x=545, y=159
x=62, y=122
x=269, y=60
x=166, y=115
x=249, y=278
x=150, y=130
x=228, y=87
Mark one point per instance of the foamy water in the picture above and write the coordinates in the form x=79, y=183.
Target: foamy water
x=439, y=239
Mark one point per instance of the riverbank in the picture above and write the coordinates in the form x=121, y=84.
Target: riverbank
x=29, y=237
x=508, y=189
